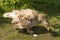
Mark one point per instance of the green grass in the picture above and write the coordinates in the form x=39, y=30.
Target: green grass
x=8, y=33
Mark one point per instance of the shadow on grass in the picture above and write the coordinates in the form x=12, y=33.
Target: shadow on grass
x=40, y=30
x=56, y=30
x=48, y=8
x=4, y=20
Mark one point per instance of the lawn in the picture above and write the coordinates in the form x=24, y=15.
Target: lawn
x=8, y=33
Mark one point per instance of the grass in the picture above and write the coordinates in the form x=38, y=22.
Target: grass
x=8, y=33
